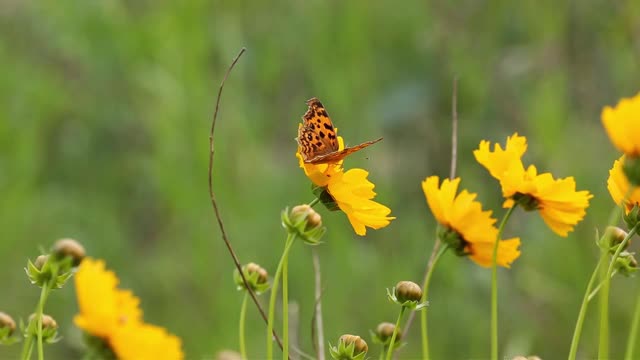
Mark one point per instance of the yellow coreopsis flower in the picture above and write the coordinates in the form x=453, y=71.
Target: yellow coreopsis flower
x=557, y=201
x=619, y=186
x=113, y=315
x=467, y=229
x=352, y=192
x=622, y=124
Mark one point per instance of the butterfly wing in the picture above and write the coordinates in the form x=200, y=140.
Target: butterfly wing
x=339, y=155
x=317, y=135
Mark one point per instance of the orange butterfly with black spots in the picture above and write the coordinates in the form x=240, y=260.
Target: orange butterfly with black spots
x=317, y=140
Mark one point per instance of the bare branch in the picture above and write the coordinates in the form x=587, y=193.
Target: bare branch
x=215, y=204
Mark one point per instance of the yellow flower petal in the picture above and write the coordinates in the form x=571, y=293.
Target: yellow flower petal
x=146, y=342
x=103, y=307
x=622, y=124
x=618, y=186
x=464, y=215
x=353, y=193
x=498, y=161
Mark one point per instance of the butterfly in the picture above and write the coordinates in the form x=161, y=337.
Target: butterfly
x=317, y=138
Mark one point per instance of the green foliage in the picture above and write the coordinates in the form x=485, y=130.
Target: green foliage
x=106, y=107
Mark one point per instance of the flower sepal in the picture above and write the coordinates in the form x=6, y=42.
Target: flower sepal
x=325, y=198
x=626, y=264
x=303, y=221
x=350, y=347
x=7, y=328
x=453, y=240
x=631, y=168
x=256, y=276
x=45, y=268
x=49, y=328
x=407, y=294
x=632, y=217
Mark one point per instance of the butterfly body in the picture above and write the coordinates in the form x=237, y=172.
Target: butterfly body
x=317, y=139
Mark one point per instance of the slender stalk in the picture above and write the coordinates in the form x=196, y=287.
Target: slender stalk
x=285, y=306
x=274, y=295
x=633, y=333
x=603, y=348
x=395, y=334
x=597, y=288
x=384, y=350
x=577, y=332
x=242, y=338
x=425, y=294
x=494, y=285
x=318, y=310
x=39, y=312
x=314, y=202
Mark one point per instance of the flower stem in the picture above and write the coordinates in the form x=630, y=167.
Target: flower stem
x=285, y=306
x=314, y=202
x=583, y=310
x=603, y=348
x=274, y=294
x=494, y=285
x=243, y=315
x=633, y=333
x=425, y=292
x=395, y=333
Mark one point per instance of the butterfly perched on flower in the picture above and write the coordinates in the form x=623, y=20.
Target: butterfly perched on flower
x=317, y=139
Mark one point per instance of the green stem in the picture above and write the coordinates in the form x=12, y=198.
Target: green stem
x=39, y=312
x=583, y=310
x=603, y=348
x=285, y=306
x=243, y=315
x=494, y=285
x=633, y=333
x=384, y=350
x=27, y=348
x=425, y=293
x=274, y=294
x=395, y=333
x=314, y=202
x=595, y=291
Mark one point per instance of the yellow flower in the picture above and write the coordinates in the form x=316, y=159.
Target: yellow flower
x=146, y=342
x=618, y=186
x=466, y=223
x=113, y=315
x=103, y=307
x=558, y=202
x=622, y=124
x=352, y=192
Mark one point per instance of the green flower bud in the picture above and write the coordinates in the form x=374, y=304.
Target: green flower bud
x=350, y=347
x=41, y=260
x=7, y=327
x=49, y=328
x=69, y=248
x=408, y=291
x=305, y=222
x=383, y=334
x=614, y=236
x=256, y=276
x=407, y=294
x=228, y=355
x=626, y=264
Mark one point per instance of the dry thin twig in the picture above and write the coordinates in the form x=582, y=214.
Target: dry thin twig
x=317, y=316
x=215, y=204
x=452, y=174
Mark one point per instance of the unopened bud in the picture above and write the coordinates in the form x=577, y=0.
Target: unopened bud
x=304, y=222
x=40, y=261
x=255, y=268
x=360, y=345
x=615, y=236
x=306, y=212
x=69, y=248
x=408, y=291
x=47, y=321
x=6, y=322
x=384, y=332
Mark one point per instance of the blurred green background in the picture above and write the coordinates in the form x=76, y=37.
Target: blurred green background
x=105, y=111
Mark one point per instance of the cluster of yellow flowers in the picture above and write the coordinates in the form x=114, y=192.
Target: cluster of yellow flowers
x=113, y=315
